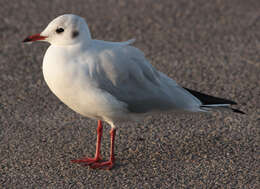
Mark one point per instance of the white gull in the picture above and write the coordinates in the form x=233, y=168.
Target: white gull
x=110, y=81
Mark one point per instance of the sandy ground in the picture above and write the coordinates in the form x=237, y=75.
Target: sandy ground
x=210, y=46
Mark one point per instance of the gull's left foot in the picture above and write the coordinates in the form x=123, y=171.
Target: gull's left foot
x=86, y=161
x=102, y=165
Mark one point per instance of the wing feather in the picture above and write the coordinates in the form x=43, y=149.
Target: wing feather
x=125, y=73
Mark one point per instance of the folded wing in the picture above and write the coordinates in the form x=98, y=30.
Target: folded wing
x=130, y=78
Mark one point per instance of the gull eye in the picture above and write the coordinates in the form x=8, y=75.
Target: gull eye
x=75, y=34
x=59, y=30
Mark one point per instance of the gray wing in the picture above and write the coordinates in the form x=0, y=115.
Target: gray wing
x=126, y=74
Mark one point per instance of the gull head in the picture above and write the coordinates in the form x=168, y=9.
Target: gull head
x=67, y=29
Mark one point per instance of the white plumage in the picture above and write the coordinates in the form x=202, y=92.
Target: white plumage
x=109, y=81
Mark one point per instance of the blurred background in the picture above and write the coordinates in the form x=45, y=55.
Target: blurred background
x=209, y=46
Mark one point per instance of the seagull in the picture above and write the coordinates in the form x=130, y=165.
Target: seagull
x=111, y=81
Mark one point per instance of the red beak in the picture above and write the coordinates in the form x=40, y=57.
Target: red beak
x=35, y=37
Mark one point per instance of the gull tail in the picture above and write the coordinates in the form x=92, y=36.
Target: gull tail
x=211, y=102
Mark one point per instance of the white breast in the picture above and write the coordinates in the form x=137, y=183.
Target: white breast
x=68, y=79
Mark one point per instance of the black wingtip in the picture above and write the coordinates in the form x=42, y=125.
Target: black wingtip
x=211, y=100
x=208, y=99
x=238, y=111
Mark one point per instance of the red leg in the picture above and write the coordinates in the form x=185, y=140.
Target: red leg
x=97, y=157
x=107, y=164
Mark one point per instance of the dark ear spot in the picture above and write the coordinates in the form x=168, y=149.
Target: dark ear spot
x=75, y=34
